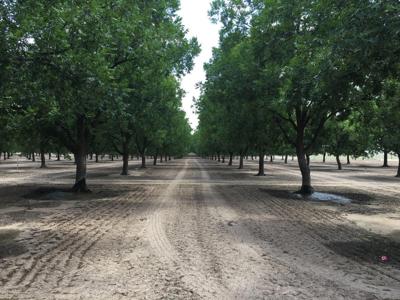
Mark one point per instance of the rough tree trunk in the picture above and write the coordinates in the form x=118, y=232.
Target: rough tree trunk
x=230, y=159
x=97, y=157
x=261, y=165
x=155, y=160
x=306, y=188
x=80, y=177
x=348, y=159
x=286, y=159
x=324, y=158
x=241, y=162
x=308, y=159
x=125, y=164
x=271, y=159
x=125, y=156
x=385, y=159
x=58, y=156
x=80, y=157
x=398, y=169
x=42, y=159
x=339, y=163
x=219, y=157
x=33, y=157
x=143, y=166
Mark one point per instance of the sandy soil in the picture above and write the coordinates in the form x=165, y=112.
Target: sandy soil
x=197, y=229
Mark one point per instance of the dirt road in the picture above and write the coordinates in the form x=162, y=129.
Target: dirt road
x=194, y=229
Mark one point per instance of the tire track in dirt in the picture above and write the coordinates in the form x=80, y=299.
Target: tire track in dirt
x=254, y=271
x=52, y=228
x=332, y=231
x=283, y=240
x=166, y=252
x=54, y=239
x=194, y=233
x=76, y=241
x=245, y=270
x=74, y=261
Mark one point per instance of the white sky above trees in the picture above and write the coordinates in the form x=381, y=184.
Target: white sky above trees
x=195, y=18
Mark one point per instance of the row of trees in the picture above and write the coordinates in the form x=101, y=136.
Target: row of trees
x=93, y=77
x=302, y=77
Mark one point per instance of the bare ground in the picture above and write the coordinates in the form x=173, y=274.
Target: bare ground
x=196, y=229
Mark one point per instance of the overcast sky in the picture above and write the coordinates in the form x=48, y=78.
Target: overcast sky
x=195, y=18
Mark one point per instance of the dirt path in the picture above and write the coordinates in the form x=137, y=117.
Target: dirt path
x=186, y=230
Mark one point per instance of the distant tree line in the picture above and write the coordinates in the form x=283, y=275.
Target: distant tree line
x=302, y=78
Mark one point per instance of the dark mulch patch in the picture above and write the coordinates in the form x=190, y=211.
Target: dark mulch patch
x=49, y=193
x=8, y=245
x=369, y=250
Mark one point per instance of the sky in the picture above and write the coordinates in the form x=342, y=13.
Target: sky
x=195, y=18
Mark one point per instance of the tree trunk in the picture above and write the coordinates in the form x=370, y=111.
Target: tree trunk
x=49, y=155
x=155, y=160
x=125, y=155
x=125, y=164
x=58, y=156
x=223, y=159
x=143, y=166
x=219, y=157
x=4, y=155
x=169, y=157
x=348, y=159
x=97, y=157
x=33, y=157
x=286, y=159
x=271, y=159
x=308, y=159
x=241, y=162
x=80, y=178
x=230, y=159
x=398, y=169
x=385, y=159
x=261, y=165
x=306, y=188
x=80, y=156
x=339, y=163
x=161, y=158
x=42, y=159
x=324, y=158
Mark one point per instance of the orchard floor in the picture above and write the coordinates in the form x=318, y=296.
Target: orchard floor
x=198, y=229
